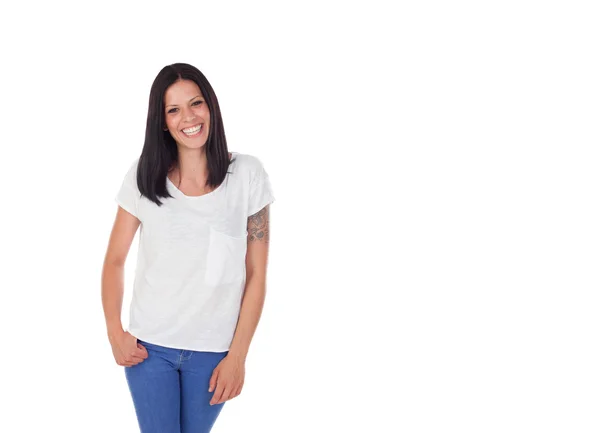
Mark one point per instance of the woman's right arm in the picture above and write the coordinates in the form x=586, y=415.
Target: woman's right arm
x=126, y=350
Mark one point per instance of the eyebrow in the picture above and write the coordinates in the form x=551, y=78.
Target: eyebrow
x=174, y=105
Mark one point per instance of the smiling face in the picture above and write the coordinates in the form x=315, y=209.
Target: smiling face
x=186, y=114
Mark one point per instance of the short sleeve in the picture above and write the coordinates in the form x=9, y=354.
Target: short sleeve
x=128, y=196
x=261, y=191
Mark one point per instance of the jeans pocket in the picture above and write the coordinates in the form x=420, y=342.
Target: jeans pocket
x=143, y=343
x=146, y=344
x=226, y=259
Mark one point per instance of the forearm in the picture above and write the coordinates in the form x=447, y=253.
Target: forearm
x=112, y=296
x=250, y=312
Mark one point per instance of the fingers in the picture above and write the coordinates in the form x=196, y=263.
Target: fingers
x=128, y=351
x=129, y=362
x=141, y=351
x=218, y=393
x=229, y=392
x=235, y=392
x=226, y=393
x=213, y=382
x=134, y=358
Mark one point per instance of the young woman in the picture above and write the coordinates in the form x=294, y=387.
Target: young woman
x=202, y=259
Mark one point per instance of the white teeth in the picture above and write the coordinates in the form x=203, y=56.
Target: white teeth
x=192, y=131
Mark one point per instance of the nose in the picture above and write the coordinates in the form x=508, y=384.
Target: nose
x=189, y=115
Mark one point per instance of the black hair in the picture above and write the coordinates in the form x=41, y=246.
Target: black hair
x=160, y=152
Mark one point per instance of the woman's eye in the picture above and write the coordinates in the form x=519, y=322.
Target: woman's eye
x=197, y=103
x=172, y=110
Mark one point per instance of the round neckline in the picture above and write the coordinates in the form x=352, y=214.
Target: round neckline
x=196, y=197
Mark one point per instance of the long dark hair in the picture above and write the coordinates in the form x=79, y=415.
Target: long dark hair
x=160, y=151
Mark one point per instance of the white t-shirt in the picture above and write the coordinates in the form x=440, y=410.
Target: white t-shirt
x=191, y=268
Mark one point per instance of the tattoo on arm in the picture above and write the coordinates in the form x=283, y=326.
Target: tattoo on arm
x=258, y=226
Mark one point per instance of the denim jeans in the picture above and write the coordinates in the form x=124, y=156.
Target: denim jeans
x=170, y=390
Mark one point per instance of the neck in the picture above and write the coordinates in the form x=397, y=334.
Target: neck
x=191, y=165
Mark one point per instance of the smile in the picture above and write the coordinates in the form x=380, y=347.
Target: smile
x=193, y=131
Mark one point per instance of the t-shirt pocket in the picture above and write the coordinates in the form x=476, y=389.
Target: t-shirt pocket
x=226, y=259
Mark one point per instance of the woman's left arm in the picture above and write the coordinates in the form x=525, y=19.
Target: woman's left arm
x=228, y=376
x=256, y=275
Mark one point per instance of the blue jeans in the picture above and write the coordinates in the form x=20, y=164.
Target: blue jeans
x=170, y=390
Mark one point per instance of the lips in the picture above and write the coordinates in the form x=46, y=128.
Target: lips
x=193, y=131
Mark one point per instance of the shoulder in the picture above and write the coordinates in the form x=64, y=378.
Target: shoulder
x=250, y=165
x=248, y=162
x=130, y=176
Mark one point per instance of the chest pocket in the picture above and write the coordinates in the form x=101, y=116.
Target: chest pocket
x=226, y=259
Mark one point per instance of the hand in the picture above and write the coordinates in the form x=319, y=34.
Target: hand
x=126, y=350
x=228, y=379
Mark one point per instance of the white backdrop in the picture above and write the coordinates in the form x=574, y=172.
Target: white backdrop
x=435, y=239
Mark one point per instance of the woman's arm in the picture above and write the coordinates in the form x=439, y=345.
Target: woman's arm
x=228, y=377
x=255, y=291
x=124, y=229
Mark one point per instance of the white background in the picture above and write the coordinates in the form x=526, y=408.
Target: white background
x=435, y=235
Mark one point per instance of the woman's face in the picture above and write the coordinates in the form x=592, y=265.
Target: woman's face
x=186, y=113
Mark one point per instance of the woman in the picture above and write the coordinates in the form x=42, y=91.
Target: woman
x=202, y=259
